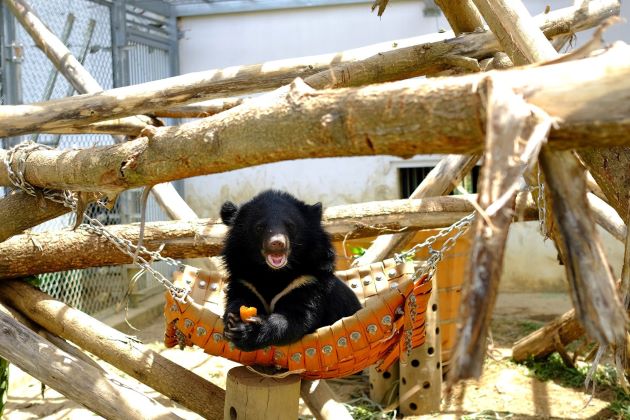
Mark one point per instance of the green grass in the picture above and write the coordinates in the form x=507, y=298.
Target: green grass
x=488, y=415
x=605, y=378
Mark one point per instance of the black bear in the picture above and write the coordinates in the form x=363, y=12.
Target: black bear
x=280, y=260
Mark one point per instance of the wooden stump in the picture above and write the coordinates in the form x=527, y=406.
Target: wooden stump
x=250, y=396
x=420, y=388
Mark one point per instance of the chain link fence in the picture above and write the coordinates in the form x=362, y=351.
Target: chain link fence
x=85, y=26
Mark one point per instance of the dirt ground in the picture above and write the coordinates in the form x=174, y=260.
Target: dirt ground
x=506, y=390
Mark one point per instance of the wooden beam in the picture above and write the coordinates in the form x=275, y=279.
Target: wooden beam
x=117, y=349
x=343, y=122
x=74, y=378
x=334, y=71
x=36, y=253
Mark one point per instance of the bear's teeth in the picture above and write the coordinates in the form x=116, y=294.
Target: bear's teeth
x=277, y=261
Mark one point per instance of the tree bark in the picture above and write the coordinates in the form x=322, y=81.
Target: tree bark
x=117, y=349
x=379, y=67
x=609, y=167
x=200, y=109
x=607, y=217
x=462, y=15
x=36, y=253
x=592, y=286
x=73, y=377
x=540, y=343
x=515, y=135
x=447, y=114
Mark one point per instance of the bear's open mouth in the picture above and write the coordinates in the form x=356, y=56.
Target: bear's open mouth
x=276, y=261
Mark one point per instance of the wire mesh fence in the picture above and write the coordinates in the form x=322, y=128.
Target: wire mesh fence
x=85, y=26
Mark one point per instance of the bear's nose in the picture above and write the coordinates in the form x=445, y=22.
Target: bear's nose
x=277, y=243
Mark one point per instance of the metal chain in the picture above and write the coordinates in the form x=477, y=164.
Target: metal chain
x=435, y=255
x=15, y=171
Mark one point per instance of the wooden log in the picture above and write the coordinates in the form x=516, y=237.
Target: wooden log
x=522, y=44
x=172, y=203
x=592, y=284
x=36, y=253
x=114, y=347
x=60, y=343
x=420, y=390
x=38, y=210
x=609, y=167
x=250, y=396
x=250, y=135
x=462, y=15
x=378, y=66
x=200, y=109
x=588, y=272
x=540, y=343
x=60, y=55
x=607, y=217
x=321, y=401
x=622, y=349
x=73, y=377
x=516, y=133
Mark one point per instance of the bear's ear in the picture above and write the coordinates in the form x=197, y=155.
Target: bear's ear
x=315, y=211
x=228, y=212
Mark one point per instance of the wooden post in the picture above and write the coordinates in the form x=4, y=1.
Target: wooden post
x=420, y=388
x=383, y=385
x=250, y=396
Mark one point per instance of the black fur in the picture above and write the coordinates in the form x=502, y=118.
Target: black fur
x=277, y=223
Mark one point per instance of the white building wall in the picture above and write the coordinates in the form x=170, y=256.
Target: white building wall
x=217, y=41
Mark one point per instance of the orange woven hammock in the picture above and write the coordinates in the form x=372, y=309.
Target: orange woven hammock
x=390, y=323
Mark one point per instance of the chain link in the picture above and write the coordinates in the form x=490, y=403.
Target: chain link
x=541, y=204
x=435, y=255
x=15, y=162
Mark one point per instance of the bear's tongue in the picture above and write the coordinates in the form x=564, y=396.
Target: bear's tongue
x=277, y=260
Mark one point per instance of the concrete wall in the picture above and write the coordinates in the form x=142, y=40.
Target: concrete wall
x=217, y=41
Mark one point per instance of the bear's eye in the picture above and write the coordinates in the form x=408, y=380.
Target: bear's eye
x=259, y=228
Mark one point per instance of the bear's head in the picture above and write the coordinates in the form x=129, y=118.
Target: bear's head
x=276, y=231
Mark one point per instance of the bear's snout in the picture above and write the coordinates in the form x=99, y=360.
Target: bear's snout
x=277, y=243
x=276, y=250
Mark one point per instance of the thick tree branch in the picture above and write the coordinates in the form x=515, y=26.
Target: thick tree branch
x=462, y=15
x=73, y=377
x=36, y=253
x=116, y=348
x=381, y=66
x=447, y=114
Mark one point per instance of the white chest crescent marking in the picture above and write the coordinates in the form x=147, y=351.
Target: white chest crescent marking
x=269, y=307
